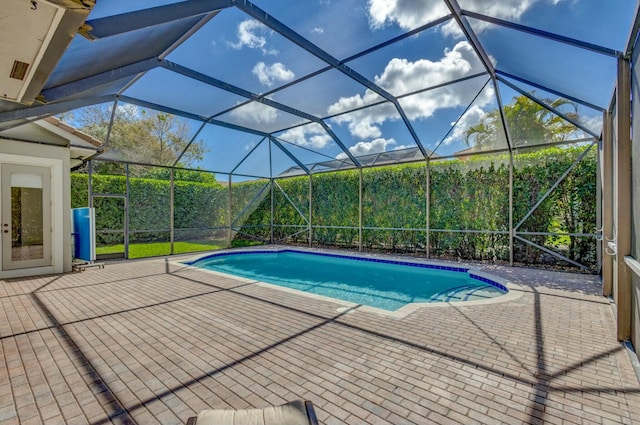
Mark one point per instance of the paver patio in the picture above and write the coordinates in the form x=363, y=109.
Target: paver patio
x=149, y=341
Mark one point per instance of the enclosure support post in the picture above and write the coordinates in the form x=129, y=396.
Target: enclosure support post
x=360, y=210
x=607, y=204
x=90, y=184
x=511, y=229
x=126, y=213
x=427, y=197
x=599, y=197
x=271, y=192
x=229, y=213
x=272, y=211
x=171, y=222
x=510, y=144
x=107, y=139
x=310, y=210
x=623, y=199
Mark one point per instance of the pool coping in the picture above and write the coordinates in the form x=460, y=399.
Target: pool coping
x=514, y=290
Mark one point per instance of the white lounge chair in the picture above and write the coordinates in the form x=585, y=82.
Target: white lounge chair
x=296, y=412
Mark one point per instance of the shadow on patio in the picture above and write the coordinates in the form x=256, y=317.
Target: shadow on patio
x=152, y=342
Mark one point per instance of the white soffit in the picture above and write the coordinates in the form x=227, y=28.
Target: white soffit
x=34, y=34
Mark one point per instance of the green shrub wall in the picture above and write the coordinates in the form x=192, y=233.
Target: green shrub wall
x=251, y=209
x=468, y=207
x=334, y=208
x=292, y=198
x=469, y=195
x=197, y=205
x=394, y=220
x=570, y=208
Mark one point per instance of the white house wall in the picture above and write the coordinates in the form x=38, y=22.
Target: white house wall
x=57, y=158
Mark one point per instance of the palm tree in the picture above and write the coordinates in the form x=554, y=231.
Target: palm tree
x=529, y=124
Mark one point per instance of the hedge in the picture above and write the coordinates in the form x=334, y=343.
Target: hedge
x=468, y=207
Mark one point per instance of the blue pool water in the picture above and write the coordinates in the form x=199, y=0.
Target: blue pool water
x=378, y=283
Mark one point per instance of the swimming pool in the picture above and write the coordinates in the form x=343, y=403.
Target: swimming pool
x=380, y=283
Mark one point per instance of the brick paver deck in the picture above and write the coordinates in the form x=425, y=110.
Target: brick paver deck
x=148, y=342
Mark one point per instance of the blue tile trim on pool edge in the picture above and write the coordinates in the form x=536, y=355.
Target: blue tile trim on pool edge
x=489, y=281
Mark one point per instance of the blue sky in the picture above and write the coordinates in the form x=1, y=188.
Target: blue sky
x=235, y=48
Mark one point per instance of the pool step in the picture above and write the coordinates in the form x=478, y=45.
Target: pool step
x=461, y=293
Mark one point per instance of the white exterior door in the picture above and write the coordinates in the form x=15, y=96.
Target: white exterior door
x=26, y=216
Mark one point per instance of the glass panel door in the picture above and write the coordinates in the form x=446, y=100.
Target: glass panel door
x=26, y=216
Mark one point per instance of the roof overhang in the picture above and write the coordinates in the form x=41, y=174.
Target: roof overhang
x=53, y=132
x=35, y=34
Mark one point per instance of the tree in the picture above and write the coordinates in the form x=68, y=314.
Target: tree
x=529, y=124
x=138, y=135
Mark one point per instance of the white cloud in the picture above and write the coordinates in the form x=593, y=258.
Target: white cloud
x=310, y=136
x=270, y=74
x=251, y=35
x=402, y=147
x=353, y=102
x=472, y=117
x=364, y=148
x=401, y=76
x=254, y=113
x=365, y=123
x=248, y=37
x=365, y=128
x=250, y=146
x=317, y=30
x=592, y=123
x=409, y=14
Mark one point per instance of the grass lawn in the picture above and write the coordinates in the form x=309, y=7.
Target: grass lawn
x=154, y=249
